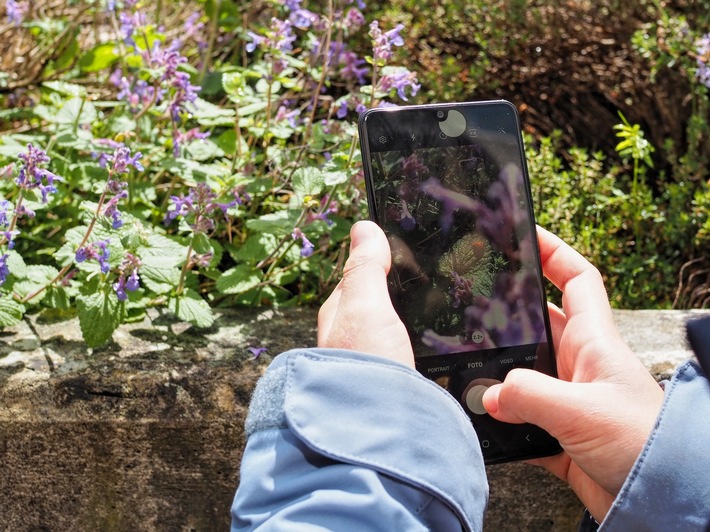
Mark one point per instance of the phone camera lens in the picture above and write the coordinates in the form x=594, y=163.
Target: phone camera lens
x=440, y=114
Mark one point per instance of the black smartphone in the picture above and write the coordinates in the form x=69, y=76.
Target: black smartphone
x=448, y=184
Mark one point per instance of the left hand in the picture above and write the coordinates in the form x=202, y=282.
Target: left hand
x=359, y=314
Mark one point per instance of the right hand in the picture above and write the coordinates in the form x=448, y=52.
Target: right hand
x=604, y=404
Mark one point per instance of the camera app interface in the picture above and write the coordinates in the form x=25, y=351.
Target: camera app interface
x=465, y=275
x=451, y=195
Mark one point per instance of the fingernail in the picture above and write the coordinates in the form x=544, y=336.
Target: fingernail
x=361, y=232
x=490, y=399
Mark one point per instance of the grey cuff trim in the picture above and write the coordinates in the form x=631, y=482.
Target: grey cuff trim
x=266, y=409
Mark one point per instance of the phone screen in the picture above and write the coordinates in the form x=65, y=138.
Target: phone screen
x=448, y=184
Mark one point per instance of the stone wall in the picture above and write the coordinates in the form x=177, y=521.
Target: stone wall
x=146, y=433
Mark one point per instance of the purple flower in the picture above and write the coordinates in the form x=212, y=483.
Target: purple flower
x=306, y=245
x=382, y=42
x=702, y=48
x=122, y=159
x=112, y=211
x=184, y=137
x=128, y=279
x=279, y=37
x=353, y=67
x=256, y=351
x=342, y=111
x=284, y=114
x=400, y=81
x=95, y=251
x=255, y=41
x=354, y=19
x=32, y=175
x=199, y=207
x=16, y=12
x=4, y=269
x=129, y=23
x=327, y=207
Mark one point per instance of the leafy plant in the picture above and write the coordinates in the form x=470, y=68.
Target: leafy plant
x=158, y=172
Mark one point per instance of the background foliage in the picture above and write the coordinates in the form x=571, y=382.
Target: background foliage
x=204, y=154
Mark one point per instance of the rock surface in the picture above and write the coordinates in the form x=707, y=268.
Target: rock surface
x=146, y=433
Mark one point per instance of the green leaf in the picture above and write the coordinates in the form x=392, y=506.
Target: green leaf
x=99, y=315
x=307, y=180
x=202, y=150
x=190, y=307
x=201, y=243
x=65, y=88
x=11, y=312
x=338, y=177
x=158, y=275
x=73, y=111
x=278, y=223
x=239, y=279
x=99, y=57
x=209, y=114
x=162, y=247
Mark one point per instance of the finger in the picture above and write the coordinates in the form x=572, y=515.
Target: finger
x=528, y=396
x=365, y=272
x=581, y=283
x=558, y=322
x=326, y=314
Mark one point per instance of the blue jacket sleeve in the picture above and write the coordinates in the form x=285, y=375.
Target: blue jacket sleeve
x=669, y=485
x=339, y=440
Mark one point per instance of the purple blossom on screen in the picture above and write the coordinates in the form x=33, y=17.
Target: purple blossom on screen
x=16, y=11
x=33, y=176
x=95, y=251
x=702, y=48
x=306, y=245
x=451, y=201
x=4, y=268
x=461, y=290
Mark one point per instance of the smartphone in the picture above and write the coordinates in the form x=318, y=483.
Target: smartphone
x=448, y=184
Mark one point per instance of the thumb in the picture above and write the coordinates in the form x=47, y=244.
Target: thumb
x=528, y=396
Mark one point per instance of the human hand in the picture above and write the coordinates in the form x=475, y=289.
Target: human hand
x=605, y=403
x=359, y=315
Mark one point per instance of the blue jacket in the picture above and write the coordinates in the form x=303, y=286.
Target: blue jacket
x=340, y=440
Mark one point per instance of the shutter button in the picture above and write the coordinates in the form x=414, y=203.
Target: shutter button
x=473, y=395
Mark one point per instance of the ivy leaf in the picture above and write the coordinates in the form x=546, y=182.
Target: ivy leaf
x=190, y=307
x=11, y=312
x=237, y=280
x=99, y=315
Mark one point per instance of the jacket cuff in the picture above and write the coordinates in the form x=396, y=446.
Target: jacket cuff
x=668, y=488
x=368, y=411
